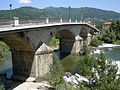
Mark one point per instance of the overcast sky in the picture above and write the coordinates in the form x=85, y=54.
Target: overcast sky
x=113, y=5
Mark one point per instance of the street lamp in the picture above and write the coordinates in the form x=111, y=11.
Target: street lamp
x=10, y=6
x=69, y=13
x=10, y=10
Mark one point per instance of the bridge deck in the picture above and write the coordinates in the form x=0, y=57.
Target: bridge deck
x=24, y=27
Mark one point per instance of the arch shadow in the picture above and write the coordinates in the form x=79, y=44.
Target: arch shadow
x=22, y=59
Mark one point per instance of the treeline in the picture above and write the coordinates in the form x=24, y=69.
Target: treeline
x=108, y=35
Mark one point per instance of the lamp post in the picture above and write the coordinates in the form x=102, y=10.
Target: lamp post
x=69, y=15
x=10, y=6
x=10, y=10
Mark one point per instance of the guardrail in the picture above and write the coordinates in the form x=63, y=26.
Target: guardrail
x=16, y=22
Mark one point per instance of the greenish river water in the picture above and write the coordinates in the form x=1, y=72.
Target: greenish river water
x=111, y=51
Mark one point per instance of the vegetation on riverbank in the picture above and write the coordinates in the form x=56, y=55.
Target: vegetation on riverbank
x=55, y=75
x=3, y=50
x=54, y=42
x=108, y=35
x=100, y=72
x=1, y=86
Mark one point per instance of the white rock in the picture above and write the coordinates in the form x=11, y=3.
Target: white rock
x=74, y=79
x=81, y=78
x=66, y=79
x=30, y=79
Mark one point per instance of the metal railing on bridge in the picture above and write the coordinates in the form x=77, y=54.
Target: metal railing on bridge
x=16, y=22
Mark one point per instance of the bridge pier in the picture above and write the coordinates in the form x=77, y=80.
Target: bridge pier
x=42, y=61
x=70, y=46
x=89, y=37
x=29, y=64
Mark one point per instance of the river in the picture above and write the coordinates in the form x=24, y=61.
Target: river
x=111, y=51
x=69, y=62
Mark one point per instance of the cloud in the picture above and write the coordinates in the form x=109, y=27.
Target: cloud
x=25, y=1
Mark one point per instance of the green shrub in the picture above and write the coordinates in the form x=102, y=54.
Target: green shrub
x=55, y=75
x=3, y=50
x=111, y=34
x=101, y=73
x=1, y=86
x=85, y=49
x=54, y=41
x=96, y=42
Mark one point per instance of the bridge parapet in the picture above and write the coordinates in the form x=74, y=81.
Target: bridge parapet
x=19, y=22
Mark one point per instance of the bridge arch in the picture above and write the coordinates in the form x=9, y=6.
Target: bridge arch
x=65, y=34
x=83, y=33
x=22, y=53
x=66, y=41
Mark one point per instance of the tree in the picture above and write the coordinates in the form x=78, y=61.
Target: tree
x=111, y=34
x=101, y=73
x=85, y=48
x=55, y=75
x=96, y=42
x=115, y=27
x=3, y=50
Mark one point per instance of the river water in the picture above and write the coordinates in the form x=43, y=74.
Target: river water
x=69, y=62
x=110, y=50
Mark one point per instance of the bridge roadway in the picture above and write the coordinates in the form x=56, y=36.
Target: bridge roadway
x=24, y=27
x=31, y=55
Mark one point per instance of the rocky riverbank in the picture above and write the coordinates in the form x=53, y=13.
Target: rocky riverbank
x=69, y=78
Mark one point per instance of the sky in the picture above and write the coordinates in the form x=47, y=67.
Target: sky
x=112, y=5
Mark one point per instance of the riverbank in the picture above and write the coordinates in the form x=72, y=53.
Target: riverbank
x=27, y=85
x=108, y=45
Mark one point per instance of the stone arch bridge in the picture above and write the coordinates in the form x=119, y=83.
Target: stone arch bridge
x=30, y=54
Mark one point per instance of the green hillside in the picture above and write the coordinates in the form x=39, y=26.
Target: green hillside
x=25, y=13
x=86, y=13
